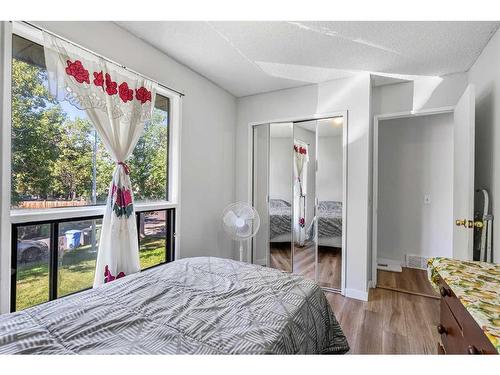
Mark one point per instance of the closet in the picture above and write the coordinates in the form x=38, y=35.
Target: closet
x=298, y=187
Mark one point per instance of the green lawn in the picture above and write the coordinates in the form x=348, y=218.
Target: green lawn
x=76, y=272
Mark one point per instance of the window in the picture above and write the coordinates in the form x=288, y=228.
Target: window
x=154, y=229
x=58, y=162
x=57, y=157
x=57, y=258
x=77, y=246
x=31, y=265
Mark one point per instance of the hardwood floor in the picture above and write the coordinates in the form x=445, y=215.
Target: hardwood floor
x=410, y=280
x=330, y=267
x=329, y=262
x=281, y=257
x=389, y=323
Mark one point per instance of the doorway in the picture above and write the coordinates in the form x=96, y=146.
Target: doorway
x=423, y=181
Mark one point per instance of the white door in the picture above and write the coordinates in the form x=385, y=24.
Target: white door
x=463, y=175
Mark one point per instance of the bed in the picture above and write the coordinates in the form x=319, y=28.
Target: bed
x=329, y=217
x=329, y=224
x=280, y=220
x=199, y=305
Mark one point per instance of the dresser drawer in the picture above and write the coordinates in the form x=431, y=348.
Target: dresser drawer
x=460, y=334
x=475, y=339
x=452, y=301
x=451, y=331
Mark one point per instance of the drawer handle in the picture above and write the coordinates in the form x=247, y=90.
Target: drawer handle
x=472, y=350
x=444, y=291
x=441, y=330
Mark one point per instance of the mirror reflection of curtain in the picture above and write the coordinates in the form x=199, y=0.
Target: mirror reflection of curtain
x=300, y=167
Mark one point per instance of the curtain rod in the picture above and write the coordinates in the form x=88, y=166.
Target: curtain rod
x=101, y=56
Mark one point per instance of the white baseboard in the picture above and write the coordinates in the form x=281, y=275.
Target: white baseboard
x=389, y=265
x=356, y=294
x=371, y=284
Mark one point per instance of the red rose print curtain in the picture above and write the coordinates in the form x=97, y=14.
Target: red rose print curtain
x=118, y=103
x=301, y=160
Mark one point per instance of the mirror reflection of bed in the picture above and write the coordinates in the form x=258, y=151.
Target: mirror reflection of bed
x=329, y=246
x=304, y=223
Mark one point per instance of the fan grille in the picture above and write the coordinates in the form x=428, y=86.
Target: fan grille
x=240, y=220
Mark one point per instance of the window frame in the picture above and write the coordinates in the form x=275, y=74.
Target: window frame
x=53, y=260
x=10, y=217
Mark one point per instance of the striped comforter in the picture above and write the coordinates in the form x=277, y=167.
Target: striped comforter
x=191, y=306
x=329, y=219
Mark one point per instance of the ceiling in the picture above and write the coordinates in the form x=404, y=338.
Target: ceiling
x=247, y=58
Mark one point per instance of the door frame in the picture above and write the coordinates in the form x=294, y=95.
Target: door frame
x=376, y=120
x=345, y=134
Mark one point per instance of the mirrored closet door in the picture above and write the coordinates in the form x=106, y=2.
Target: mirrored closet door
x=298, y=188
x=280, y=196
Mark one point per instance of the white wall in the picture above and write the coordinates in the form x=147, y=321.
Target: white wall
x=280, y=168
x=399, y=97
x=352, y=94
x=5, y=114
x=415, y=159
x=208, y=131
x=485, y=75
x=330, y=163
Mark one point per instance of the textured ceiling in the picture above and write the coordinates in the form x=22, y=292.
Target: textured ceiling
x=247, y=58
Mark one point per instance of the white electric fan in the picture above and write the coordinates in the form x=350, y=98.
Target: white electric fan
x=241, y=221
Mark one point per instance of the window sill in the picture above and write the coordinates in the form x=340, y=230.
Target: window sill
x=18, y=216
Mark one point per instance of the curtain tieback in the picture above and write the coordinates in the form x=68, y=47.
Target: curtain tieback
x=126, y=168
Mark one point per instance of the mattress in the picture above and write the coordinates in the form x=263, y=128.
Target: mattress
x=329, y=220
x=280, y=220
x=192, y=306
x=330, y=241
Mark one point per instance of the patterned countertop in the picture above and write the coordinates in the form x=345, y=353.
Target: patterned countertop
x=477, y=286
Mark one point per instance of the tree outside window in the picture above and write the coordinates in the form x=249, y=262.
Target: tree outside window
x=57, y=159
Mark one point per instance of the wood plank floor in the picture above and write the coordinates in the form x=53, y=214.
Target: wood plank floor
x=329, y=262
x=330, y=267
x=410, y=280
x=281, y=257
x=389, y=323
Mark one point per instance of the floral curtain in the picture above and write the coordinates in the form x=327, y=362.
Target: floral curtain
x=301, y=160
x=118, y=103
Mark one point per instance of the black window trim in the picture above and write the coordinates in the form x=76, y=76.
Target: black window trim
x=54, y=249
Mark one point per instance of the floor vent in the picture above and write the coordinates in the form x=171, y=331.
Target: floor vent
x=416, y=261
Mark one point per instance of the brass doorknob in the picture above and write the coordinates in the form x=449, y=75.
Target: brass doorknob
x=478, y=224
x=461, y=222
x=474, y=224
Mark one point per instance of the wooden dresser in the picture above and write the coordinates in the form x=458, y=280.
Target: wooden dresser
x=470, y=305
x=460, y=334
